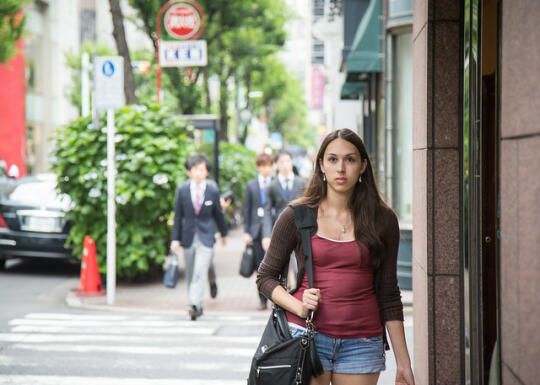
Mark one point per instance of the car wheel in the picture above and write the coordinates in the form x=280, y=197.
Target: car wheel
x=2, y=263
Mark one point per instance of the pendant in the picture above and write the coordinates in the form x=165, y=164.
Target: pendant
x=343, y=229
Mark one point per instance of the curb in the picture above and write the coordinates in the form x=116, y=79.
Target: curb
x=74, y=301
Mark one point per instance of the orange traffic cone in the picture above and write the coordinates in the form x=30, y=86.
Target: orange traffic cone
x=90, y=279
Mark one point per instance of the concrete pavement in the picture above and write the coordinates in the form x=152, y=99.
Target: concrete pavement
x=235, y=293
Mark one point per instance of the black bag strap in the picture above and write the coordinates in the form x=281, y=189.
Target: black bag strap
x=306, y=223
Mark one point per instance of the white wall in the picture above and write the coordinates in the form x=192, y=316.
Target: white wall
x=64, y=37
x=54, y=26
x=348, y=114
x=297, y=50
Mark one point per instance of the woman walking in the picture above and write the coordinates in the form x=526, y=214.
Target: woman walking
x=355, y=294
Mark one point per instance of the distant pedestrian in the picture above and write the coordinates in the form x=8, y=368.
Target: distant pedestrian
x=286, y=187
x=196, y=213
x=355, y=296
x=254, y=211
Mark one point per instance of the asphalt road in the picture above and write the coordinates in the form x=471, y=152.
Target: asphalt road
x=45, y=342
x=34, y=285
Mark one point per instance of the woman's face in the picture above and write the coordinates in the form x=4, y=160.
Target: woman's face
x=342, y=165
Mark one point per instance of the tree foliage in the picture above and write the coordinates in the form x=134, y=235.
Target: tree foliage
x=151, y=148
x=11, y=27
x=239, y=33
x=283, y=102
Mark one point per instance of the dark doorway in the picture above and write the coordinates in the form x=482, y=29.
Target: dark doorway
x=480, y=192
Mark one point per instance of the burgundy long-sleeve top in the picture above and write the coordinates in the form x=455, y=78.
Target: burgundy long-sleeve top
x=286, y=238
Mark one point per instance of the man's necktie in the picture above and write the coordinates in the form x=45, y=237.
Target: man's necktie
x=197, y=203
x=286, y=190
x=263, y=186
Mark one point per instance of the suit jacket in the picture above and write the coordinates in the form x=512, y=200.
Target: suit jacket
x=253, y=205
x=277, y=200
x=186, y=222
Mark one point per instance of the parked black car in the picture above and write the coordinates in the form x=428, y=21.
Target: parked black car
x=32, y=220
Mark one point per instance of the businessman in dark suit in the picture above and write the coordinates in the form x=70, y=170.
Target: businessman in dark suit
x=254, y=211
x=196, y=213
x=286, y=187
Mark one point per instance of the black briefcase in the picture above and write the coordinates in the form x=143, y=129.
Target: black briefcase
x=247, y=264
x=170, y=279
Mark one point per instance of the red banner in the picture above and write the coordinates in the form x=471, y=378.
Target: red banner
x=12, y=116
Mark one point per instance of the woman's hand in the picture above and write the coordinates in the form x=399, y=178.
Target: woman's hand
x=404, y=376
x=310, y=301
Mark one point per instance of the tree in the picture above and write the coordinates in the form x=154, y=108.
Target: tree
x=239, y=34
x=121, y=45
x=11, y=27
x=283, y=102
x=184, y=88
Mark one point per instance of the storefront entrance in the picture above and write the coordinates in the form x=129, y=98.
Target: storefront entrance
x=480, y=193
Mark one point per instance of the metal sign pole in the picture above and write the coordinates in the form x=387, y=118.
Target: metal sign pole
x=216, y=150
x=111, y=210
x=109, y=90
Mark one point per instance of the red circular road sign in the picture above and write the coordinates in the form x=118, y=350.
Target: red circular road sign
x=184, y=21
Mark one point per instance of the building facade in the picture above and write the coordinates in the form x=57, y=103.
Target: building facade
x=476, y=187
x=34, y=92
x=53, y=30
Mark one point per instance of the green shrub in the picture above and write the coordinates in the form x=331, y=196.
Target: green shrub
x=151, y=147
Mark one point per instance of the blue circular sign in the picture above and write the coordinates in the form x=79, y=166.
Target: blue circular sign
x=108, y=68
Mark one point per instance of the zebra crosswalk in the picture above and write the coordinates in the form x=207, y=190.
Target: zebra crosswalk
x=93, y=348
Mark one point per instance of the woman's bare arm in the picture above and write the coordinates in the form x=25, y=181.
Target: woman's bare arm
x=310, y=301
x=404, y=373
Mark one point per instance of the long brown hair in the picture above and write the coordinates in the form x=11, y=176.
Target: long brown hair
x=365, y=202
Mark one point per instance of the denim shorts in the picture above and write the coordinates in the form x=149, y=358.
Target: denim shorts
x=347, y=355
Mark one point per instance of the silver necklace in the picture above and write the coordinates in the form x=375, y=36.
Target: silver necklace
x=343, y=227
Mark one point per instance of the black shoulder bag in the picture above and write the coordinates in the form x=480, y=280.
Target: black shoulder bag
x=279, y=358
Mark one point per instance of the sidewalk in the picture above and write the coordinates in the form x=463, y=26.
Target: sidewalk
x=235, y=293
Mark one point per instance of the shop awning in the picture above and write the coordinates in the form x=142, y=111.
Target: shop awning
x=366, y=54
x=353, y=11
x=352, y=90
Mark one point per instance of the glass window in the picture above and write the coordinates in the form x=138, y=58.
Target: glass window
x=318, y=7
x=402, y=127
x=318, y=47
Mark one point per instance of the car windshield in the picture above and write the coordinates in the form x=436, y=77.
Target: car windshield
x=39, y=193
